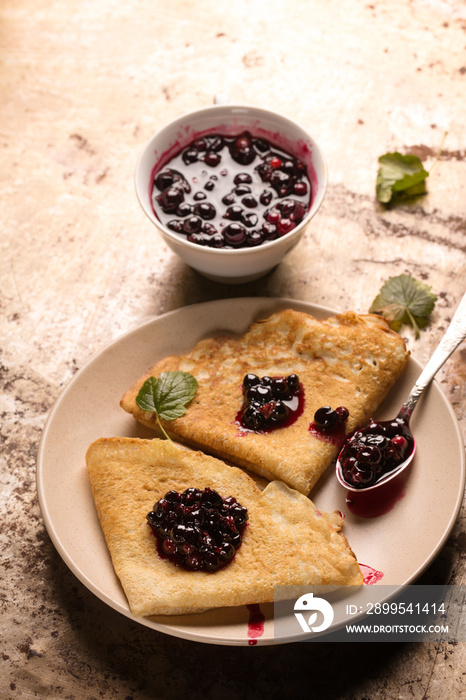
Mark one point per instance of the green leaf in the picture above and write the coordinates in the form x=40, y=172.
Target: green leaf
x=167, y=395
x=400, y=176
x=404, y=300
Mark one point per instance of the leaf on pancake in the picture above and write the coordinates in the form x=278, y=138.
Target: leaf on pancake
x=168, y=395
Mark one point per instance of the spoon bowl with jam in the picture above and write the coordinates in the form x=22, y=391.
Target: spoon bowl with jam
x=377, y=453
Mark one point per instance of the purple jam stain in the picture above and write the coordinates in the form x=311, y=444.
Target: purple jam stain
x=371, y=576
x=255, y=623
x=334, y=436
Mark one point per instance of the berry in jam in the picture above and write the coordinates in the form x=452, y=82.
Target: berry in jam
x=375, y=451
x=329, y=424
x=240, y=190
x=270, y=402
x=198, y=529
x=327, y=418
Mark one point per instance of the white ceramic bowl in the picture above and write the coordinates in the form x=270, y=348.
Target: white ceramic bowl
x=242, y=264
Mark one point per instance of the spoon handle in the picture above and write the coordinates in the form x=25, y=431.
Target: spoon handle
x=456, y=332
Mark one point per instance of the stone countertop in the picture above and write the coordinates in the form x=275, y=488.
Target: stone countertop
x=83, y=86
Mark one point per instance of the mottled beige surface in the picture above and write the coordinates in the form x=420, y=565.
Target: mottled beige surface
x=83, y=85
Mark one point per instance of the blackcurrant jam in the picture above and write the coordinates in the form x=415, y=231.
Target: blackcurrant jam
x=198, y=529
x=375, y=451
x=231, y=191
x=270, y=402
x=329, y=424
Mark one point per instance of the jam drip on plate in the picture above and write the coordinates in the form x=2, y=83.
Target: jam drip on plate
x=255, y=623
x=371, y=576
x=231, y=192
x=198, y=529
x=270, y=402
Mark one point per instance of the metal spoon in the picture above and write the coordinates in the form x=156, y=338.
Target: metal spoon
x=455, y=334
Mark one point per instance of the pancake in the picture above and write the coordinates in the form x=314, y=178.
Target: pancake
x=346, y=360
x=286, y=542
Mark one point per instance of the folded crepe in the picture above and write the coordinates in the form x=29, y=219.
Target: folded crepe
x=286, y=542
x=347, y=360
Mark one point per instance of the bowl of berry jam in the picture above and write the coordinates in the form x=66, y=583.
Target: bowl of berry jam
x=231, y=189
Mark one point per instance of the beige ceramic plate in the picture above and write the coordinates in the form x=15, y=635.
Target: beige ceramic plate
x=400, y=543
